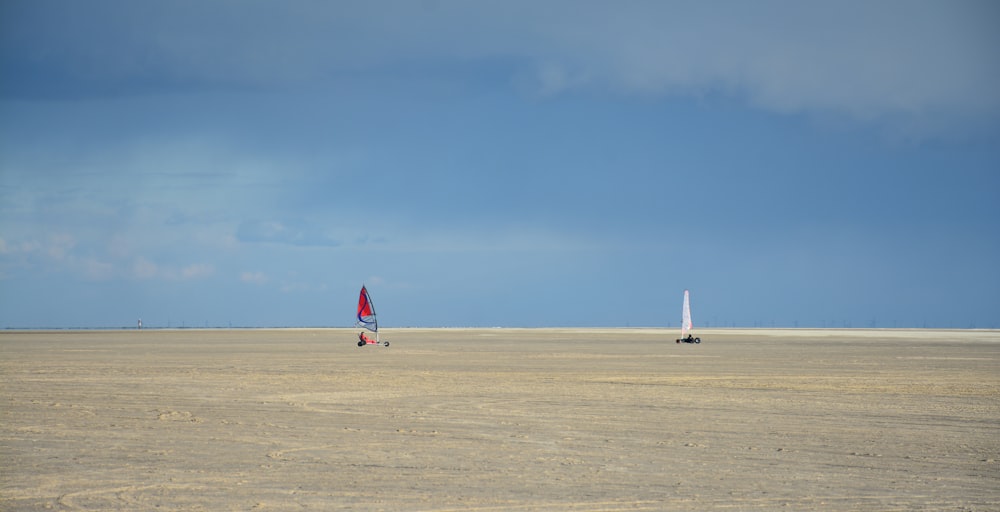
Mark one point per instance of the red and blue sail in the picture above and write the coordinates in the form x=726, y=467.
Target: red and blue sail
x=366, y=311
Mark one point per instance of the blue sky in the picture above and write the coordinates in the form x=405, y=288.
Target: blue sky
x=499, y=163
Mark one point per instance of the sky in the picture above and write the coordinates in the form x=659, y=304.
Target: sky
x=500, y=163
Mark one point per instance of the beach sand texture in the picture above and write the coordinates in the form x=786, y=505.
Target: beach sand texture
x=500, y=419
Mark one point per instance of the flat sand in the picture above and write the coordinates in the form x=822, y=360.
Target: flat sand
x=500, y=419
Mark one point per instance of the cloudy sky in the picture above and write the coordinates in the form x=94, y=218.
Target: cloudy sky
x=500, y=163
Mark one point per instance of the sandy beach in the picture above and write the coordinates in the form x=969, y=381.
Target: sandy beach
x=500, y=419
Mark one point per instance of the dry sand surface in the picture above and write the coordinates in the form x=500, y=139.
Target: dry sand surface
x=500, y=419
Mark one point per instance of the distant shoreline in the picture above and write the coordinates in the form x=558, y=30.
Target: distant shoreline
x=798, y=331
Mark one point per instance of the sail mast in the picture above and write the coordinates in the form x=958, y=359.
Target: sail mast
x=371, y=307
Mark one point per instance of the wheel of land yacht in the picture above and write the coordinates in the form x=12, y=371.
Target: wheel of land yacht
x=387, y=343
x=361, y=343
x=697, y=340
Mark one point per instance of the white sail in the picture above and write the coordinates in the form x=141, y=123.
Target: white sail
x=686, y=315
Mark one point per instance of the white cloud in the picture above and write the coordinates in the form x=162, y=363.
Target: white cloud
x=254, y=277
x=554, y=78
x=197, y=271
x=301, y=287
x=291, y=232
x=96, y=270
x=20, y=248
x=145, y=269
x=60, y=245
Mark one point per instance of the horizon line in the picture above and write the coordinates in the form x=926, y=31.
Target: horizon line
x=512, y=327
